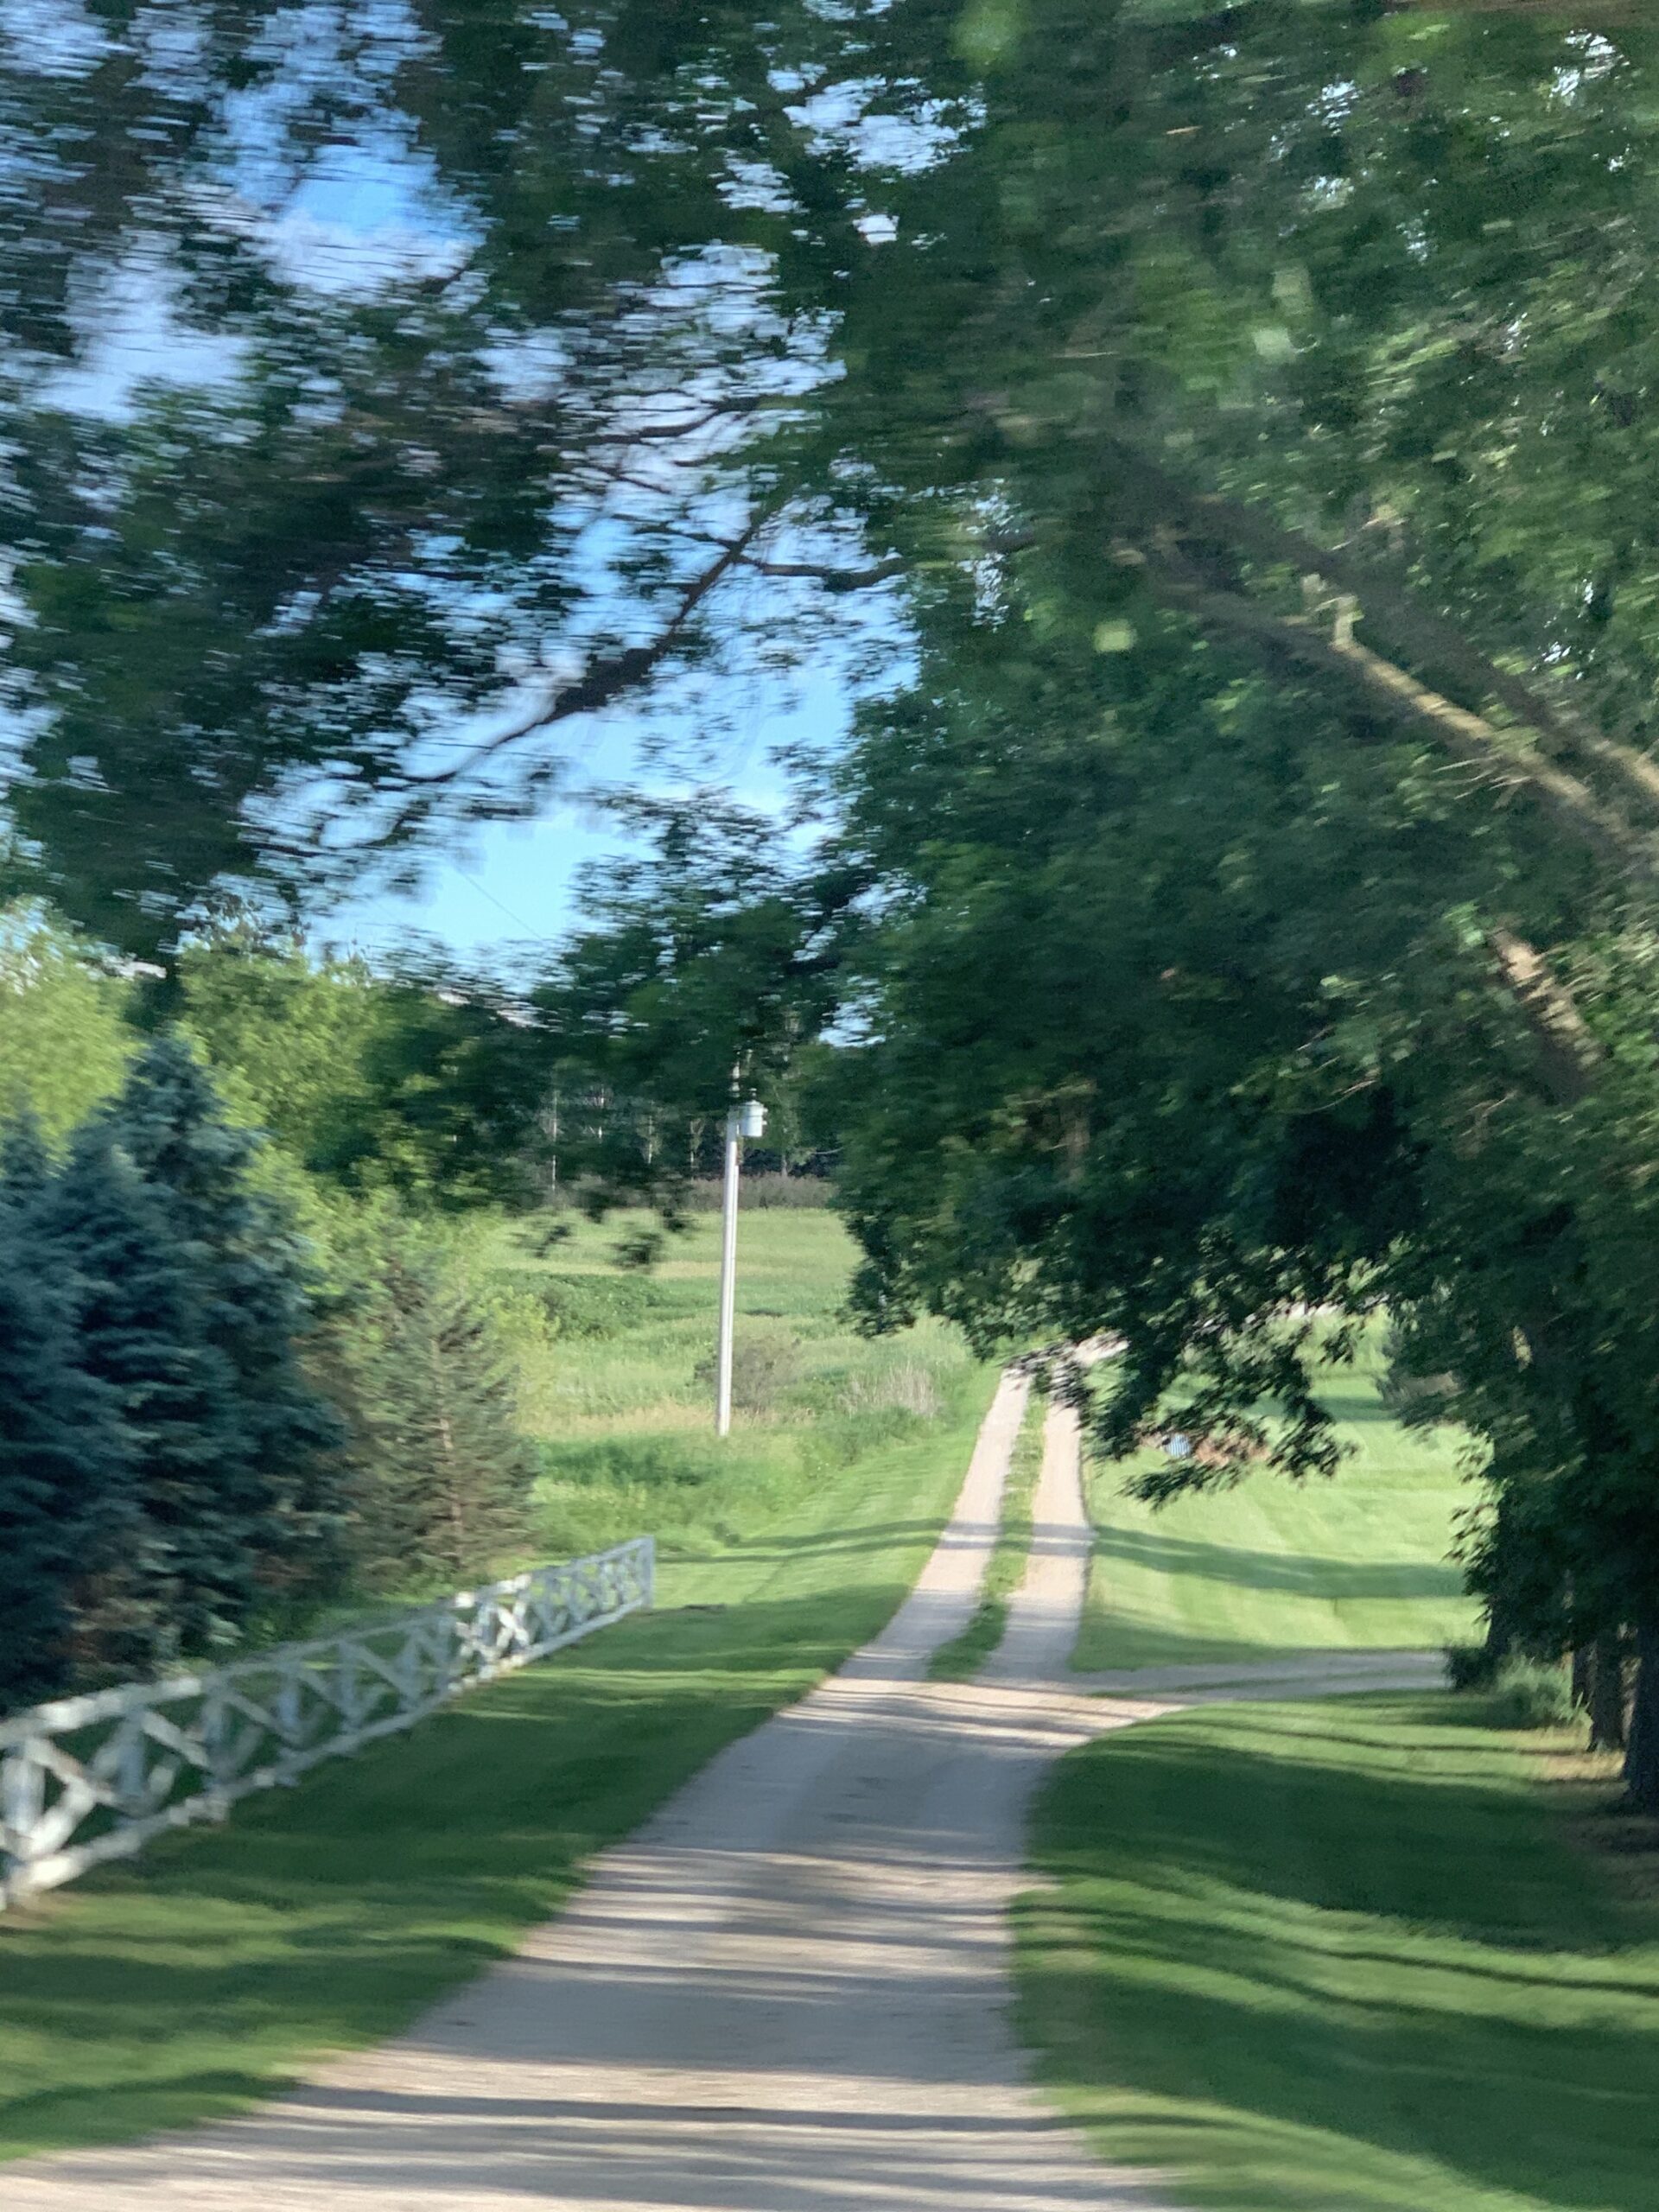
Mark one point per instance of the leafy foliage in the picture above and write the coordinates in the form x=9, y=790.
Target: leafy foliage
x=64, y=1042
x=700, y=969
x=410, y=1078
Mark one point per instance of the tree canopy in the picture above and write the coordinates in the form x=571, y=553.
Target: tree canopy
x=1236, y=427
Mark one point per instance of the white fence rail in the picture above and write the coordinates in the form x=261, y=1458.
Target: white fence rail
x=90, y=1778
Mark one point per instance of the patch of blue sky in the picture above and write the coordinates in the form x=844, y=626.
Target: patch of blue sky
x=50, y=38
x=132, y=337
x=368, y=214
x=512, y=889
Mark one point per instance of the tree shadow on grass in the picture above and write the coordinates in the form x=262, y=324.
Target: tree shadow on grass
x=329, y=1916
x=868, y=1536
x=1353, y=1953
x=1333, y=1580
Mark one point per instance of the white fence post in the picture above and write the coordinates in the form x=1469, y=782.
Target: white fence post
x=88, y=1779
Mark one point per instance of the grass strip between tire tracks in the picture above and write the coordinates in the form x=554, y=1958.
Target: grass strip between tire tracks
x=966, y=1654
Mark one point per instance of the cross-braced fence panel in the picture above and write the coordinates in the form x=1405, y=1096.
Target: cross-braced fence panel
x=90, y=1778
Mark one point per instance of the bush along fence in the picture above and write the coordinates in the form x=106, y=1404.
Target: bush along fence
x=86, y=1779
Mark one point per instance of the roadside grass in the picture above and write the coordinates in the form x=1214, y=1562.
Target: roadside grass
x=1341, y=1957
x=624, y=1416
x=964, y=1654
x=1357, y=1562
x=323, y=1918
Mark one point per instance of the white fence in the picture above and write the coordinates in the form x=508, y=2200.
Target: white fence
x=95, y=1777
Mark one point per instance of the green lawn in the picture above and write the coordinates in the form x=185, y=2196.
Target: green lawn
x=1340, y=1958
x=964, y=1654
x=1358, y=1560
x=325, y=1916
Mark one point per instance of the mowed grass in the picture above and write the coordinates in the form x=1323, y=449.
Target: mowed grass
x=960, y=1659
x=1357, y=1562
x=324, y=1917
x=1341, y=1958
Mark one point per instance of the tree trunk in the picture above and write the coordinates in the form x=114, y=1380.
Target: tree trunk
x=1584, y=1666
x=1501, y=1638
x=1642, y=1753
x=1606, y=1692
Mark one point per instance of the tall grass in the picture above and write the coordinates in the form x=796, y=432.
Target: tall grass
x=617, y=1378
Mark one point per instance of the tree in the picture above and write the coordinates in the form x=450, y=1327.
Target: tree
x=65, y=1502
x=413, y=1077
x=248, y=1480
x=443, y=1475
x=496, y=480
x=706, y=955
x=187, y=1572
x=64, y=1040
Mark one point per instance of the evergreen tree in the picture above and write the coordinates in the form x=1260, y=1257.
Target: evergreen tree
x=65, y=1487
x=26, y=1161
x=445, y=1475
x=142, y=1335
x=248, y=1478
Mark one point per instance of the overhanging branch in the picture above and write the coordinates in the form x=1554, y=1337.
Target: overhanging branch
x=1410, y=626
x=1502, y=757
x=606, y=677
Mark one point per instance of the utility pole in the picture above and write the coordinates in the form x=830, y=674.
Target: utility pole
x=745, y=1118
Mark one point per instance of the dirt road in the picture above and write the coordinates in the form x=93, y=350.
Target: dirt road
x=788, y=1993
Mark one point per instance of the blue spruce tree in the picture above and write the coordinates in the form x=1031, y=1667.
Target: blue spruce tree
x=66, y=1479
x=242, y=1474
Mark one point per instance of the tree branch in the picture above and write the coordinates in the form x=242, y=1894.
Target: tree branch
x=833, y=579
x=1570, y=1059
x=1505, y=756
x=1411, y=625
x=606, y=677
x=880, y=572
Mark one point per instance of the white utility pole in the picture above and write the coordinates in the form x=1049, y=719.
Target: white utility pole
x=747, y=1119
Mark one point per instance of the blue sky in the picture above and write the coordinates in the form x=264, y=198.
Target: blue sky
x=509, y=882
x=358, y=214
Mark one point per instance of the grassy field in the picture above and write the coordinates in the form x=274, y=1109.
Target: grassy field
x=324, y=1917
x=1359, y=1560
x=618, y=1383
x=1342, y=1958
x=964, y=1654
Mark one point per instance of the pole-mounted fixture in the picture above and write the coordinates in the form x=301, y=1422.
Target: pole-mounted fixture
x=746, y=1118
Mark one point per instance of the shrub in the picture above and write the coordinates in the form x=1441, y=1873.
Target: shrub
x=1531, y=1693
x=586, y=1305
x=762, y=1193
x=907, y=1387
x=443, y=1475
x=766, y=1371
x=1470, y=1666
x=1419, y=1401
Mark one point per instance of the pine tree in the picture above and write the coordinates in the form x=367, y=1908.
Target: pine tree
x=65, y=1475
x=26, y=1162
x=243, y=1482
x=445, y=1475
x=142, y=1329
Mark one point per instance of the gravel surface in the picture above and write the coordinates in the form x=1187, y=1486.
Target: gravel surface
x=788, y=1992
